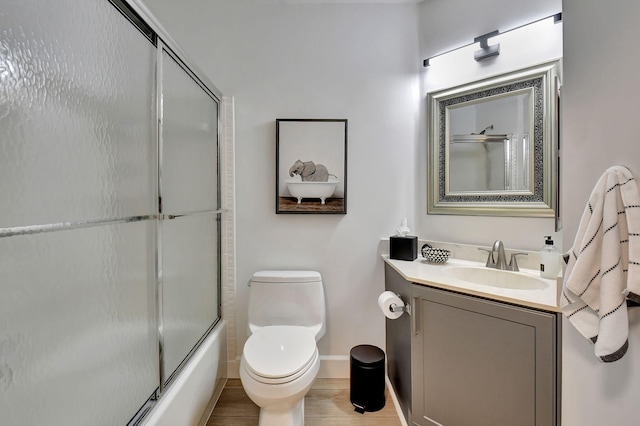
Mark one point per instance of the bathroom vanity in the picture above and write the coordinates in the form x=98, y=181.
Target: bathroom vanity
x=480, y=355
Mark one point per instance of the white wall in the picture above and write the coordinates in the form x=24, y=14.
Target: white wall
x=284, y=60
x=600, y=129
x=443, y=21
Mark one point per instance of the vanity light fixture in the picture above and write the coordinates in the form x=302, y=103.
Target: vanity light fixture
x=487, y=51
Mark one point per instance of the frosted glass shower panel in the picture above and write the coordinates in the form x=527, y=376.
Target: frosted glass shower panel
x=78, y=342
x=189, y=142
x=190, y=271
x=77, y=87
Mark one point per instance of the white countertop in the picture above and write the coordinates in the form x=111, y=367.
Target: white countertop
x=420, y=271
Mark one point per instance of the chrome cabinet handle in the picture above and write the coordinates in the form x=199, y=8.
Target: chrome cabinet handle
x=415, y=315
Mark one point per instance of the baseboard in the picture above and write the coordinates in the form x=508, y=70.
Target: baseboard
x=334, y=367
x=331, y=367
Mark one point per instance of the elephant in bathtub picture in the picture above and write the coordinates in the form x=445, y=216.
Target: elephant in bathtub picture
x=311, y=165
x=316, y=182
x=309, y=171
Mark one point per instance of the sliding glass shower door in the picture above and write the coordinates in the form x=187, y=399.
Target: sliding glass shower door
x=190, y=195
x=109, y=215
x=78, y=336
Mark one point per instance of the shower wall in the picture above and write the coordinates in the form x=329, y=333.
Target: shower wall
x=109, y=220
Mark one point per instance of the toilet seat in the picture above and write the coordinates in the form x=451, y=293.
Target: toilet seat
x=279, y=354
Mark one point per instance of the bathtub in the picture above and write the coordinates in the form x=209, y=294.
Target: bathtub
x=190, y=398
x=321, y=190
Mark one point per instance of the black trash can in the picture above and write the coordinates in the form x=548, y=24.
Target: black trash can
x=367, y=378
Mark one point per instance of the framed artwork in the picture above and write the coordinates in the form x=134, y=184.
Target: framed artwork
x=311, y=166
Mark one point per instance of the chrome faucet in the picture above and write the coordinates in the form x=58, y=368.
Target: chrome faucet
x=500, y=262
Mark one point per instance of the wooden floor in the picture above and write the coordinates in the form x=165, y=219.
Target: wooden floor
x=326, y=404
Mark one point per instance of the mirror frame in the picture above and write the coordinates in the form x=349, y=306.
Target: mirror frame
x=543, y=200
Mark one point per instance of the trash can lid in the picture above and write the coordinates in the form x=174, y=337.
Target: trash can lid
x=367, y=355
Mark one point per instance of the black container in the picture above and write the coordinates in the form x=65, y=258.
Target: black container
x=367, y=378
x=403, y=248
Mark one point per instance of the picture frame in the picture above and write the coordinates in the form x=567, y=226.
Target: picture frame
x=311, y=166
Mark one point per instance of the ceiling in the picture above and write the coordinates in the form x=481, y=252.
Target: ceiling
x=355, y=1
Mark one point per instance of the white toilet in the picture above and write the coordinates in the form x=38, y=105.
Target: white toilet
x=280, y=359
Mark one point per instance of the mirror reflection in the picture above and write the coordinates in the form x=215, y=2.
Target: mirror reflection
x=496, y=158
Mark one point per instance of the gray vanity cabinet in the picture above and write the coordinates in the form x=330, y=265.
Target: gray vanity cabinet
x=479, y=362
x=398, y=342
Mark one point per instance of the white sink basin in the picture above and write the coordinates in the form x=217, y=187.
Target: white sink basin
x=495, y=278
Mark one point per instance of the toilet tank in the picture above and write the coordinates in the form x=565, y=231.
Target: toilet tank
x=287, y=298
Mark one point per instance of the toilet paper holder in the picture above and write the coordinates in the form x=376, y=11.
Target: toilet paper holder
x=400, y=308
x=392, y=305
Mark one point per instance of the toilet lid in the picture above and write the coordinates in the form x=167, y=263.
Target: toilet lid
x=279, y=351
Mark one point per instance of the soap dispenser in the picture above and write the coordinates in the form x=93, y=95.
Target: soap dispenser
x=549, y=260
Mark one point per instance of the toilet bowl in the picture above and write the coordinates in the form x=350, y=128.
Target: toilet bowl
x=280, y=359
x=277, y=369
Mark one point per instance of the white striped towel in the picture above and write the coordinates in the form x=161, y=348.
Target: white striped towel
x=603, y=269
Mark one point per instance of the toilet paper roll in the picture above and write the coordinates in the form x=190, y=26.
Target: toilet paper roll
x=388, y=299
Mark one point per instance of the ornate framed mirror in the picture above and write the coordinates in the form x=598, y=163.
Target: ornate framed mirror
x=493, y=145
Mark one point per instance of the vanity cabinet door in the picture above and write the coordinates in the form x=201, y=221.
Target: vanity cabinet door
x=398, y=342
x=477, y=362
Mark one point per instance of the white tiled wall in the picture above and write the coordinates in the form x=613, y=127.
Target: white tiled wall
x=228, y=222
